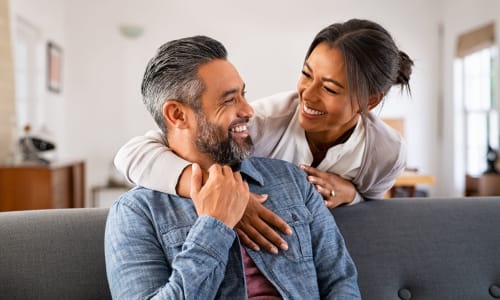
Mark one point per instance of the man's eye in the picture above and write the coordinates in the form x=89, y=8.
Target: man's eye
x=229, y=101
x=305, y=74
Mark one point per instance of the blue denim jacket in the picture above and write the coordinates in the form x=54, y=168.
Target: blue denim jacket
x=157, y=247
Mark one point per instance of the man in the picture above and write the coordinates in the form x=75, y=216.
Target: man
x=164, y=246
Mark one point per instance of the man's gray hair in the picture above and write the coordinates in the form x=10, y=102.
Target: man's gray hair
x=172, y=74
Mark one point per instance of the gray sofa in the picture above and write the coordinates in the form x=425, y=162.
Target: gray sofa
x=415, y=248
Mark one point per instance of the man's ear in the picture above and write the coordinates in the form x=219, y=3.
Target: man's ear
x=374, y=100
x=175, y=114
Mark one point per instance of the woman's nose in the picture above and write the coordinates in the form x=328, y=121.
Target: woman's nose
x=308, y=91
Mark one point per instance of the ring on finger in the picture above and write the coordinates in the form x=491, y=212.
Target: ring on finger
x=332, y=193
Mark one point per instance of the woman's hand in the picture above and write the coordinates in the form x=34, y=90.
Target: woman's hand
x=255, y=228
x=334, y=189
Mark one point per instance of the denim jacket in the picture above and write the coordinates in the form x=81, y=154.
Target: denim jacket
x=157, y=247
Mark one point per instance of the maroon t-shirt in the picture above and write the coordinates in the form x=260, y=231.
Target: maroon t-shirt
x=258, y=287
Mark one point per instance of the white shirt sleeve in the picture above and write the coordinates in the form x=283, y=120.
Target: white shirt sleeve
x=146, y=160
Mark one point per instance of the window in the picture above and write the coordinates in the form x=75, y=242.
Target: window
x=479, y=116
x=476, y=118
x=28, y=75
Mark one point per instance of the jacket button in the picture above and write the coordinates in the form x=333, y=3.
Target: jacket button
x=295, y=218
x=404, y=294
x=495, y=291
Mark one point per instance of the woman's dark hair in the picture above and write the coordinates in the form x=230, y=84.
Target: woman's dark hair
x=373, y=62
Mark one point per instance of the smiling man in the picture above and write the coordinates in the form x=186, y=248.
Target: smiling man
x=164, y=246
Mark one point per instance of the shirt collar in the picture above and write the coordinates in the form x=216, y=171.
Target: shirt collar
x=249, y=171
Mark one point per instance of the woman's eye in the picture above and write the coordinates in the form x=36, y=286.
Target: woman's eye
x=329, y=90
x=305, y=74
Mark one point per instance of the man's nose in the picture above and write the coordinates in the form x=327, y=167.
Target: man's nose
x=245, y=110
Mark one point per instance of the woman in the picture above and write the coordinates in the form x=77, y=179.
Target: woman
x=325, y=126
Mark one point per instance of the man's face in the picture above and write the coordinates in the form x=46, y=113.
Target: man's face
x=222, y=131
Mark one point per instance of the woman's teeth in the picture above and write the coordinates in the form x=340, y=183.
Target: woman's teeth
x=311, y=111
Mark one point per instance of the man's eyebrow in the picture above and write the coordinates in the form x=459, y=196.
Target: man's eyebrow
x=232, y=91
x=325, y=78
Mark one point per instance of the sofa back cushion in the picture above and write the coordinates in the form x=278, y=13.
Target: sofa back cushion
x=424, y=248
x=53, y=254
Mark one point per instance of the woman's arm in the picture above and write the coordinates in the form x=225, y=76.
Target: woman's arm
x=147, y=161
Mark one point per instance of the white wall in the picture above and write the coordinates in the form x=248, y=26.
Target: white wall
x=47, y=18
x=101, y=106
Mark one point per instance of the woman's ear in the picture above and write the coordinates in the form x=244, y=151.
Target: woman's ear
x=175, y=114
x=374, y=100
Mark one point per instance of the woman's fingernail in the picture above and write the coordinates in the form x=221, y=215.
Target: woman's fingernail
x=273, y=250
x=284, y=246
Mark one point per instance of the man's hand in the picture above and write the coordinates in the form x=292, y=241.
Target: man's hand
x=224, y=195
x=334, y=189
x=254, y=228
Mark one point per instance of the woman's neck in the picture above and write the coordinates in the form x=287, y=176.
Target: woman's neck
x=320, y=143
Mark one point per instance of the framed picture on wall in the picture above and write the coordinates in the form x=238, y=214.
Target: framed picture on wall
x=54, y=67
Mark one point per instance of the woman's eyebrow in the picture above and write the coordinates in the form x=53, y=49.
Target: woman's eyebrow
x=325, y=78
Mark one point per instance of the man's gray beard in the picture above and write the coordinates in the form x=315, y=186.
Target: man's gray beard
x=219, y=144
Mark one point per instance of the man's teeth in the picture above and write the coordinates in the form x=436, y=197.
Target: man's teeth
x=312, y=111
x=240, y=128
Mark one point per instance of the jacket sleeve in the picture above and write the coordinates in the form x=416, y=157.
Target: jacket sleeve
x=147, y=161
x=272, y=116
x=136, y=266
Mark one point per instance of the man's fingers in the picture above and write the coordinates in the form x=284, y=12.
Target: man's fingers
x=196, y=180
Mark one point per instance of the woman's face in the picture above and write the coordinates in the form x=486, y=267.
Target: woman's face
x=325, y=103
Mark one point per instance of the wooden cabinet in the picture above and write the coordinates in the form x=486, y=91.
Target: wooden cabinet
x=26, y=187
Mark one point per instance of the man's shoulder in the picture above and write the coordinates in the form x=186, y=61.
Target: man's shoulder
x=275, y=169
x=144, y=198
x=267, y=161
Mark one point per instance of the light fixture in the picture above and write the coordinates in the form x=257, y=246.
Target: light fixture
x=131, y=31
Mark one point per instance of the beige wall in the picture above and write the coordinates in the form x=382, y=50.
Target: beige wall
x=7, y=96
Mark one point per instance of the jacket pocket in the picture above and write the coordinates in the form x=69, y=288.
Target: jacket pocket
x=173, y=237
x=299, y=243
